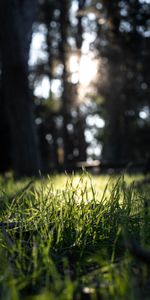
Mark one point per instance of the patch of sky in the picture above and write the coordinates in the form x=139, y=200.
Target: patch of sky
x=95, y=120
x=144, y=1
x=99, y=6
x=144, y=113
x=56, y=13
x=90, y=37
x=123, y=12
x=59, y=122
x=141, y=30
x=147, y=33
x=42, y=89
x=38, y=45
x=125, y=26
x=73, y=10
x=38, y=121
x=49, y=138
x=91, y=16
x=70, y=128
x=59, y=70
x=88, y=136
x=94, y=150
x=71, y=42
x=56, y=87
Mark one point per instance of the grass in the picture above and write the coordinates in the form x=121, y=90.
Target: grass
x=71, y=238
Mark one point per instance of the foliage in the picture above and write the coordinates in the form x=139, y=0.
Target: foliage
x=123, y=46
x=68, y=241
x=117, y=34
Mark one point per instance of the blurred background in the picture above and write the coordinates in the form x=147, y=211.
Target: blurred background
x=74, y=85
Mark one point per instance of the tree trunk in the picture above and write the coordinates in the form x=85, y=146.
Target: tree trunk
x=16, y=29
x=65, y=94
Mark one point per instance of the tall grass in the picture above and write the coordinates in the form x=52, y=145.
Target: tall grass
x=69, y=240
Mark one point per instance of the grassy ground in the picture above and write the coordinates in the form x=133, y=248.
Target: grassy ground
x=74, y=238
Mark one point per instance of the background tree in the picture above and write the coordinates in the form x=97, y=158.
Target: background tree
x=123, y=45
x=58, y=31
x=16, y=19
x=108, y=118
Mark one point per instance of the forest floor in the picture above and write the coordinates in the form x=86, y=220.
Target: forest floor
x=74, y=238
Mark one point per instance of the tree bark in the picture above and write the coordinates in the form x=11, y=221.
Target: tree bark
x=16, y=30
x=65, y=94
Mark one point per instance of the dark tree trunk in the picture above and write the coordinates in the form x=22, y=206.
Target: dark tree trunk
x=5, y=155
x=82, y=145
x=16, y=29
x=65, y=95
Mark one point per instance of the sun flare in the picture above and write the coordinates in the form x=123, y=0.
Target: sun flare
x=83, y=70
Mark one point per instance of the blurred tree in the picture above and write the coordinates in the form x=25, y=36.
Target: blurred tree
x=5, y=154
x=120, y=34
x=48, y=15
x=16, y=19
x=123, y=43
x=81, y=143
x=67, y=140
